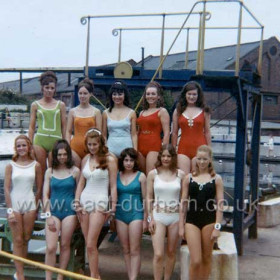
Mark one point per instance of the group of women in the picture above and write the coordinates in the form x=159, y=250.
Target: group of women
x=100, y=172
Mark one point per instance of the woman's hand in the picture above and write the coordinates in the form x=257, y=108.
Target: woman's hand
x=145, y=226
x=152, y=226
x=12, y=218
x=182, y=231
x=215, y=234
x=51, y=224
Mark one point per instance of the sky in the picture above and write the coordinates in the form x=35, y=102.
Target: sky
x=48, y=33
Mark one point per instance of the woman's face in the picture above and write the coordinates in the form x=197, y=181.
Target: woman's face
x=62, y=156
x=151, y=95
x=84, y=95
x=49, y=90
x=22, y=147
x=202, y=160
x=166, y=158
x=93, y=145
x=118, y=98
x=191, y=96
x=128, y=163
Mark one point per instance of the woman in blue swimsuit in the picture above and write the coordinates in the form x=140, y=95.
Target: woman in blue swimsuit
x=201, y=226
x=59, y=193
x=130, y=214
x=119, y=121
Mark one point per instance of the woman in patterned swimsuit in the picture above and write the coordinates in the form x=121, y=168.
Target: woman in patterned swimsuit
x=51, y=119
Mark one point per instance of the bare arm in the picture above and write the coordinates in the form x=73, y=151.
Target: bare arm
x=82, y=181
x=165, y=122
x=175, y=129
x=32, y=122
x=39, y=182
x=70, y=124
x=63, y=119
x=219, y=198
x=8, y=185
x=150, y=192
x=143, y=182
x=134, y=130
x=104, y=125
x=46, y=190
x=113, y=169
x=183, y=205
x=207, y=131
x=98, y=119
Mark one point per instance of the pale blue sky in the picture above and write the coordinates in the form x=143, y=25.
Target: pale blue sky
x=40, y=33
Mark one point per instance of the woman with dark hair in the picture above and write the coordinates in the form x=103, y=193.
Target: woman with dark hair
x=130, y=215
x=20, y=176
x=163, y=197
x=82, y=118
x=51, y=119
x=201, y=226
x=152, y=122
x=119, y=121
x=98, y=178
x=59, y=193
x=193, y=118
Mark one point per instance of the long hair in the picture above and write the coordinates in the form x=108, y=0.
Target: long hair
x=183, y=104
x=211, y=170
x=61, y=144
x=159, y=92
x=29, y=145
x=103, y=150
x=119, y=87
x=171, y=150
x=47, y=77
x=88, y=84
x=131, y=153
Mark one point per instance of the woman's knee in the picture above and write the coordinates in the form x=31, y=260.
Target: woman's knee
x=64, y=246
x=196, y=263
x=51, y=249
x=158, y=257
x=171, y=253
x=18, y=241
x=91, y=248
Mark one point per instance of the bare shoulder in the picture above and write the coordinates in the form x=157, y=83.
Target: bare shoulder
x=95, y=110
x=75, y=171
x=8, y=167
x=151, y=174
x=142, y=177
x=37, y=165
x=218, y=178
x=181, y=173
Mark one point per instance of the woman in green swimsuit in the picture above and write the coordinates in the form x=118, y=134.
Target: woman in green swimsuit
x=51, y=119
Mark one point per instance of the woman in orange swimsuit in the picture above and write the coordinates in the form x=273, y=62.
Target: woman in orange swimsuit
x=193, y=118
x=82, y=118
x=152, y=121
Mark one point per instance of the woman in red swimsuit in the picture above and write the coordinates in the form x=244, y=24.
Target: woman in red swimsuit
x=193, y=118
x=152, y=121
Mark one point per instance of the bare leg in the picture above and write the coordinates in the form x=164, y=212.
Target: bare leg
x=142, y=162
x=158, y=245
x=122, y=230
x=96, y=221
x=67, y=228
x=76, y=158
x=28, y=225
x=172, y=243
x=184, y=163
x=193, y=237
x=41, y=157
x=193, y=164
x=51, y=242
x=207, y=248
x=135, y=234
x=17, y=235
x=151, y=159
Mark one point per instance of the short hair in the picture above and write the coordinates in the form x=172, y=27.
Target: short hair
x=183, y=104
x=171, y=150
x=103, y=149
x=29, y=145
x=87, y=83
x=47, y=77
x=211, y=170
x=61, y=144
x=131, y=153
x=156, y=85
x=119, y=87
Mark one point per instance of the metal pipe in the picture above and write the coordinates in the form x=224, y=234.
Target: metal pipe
x=199, y=46
x=87, y=47
x=162, y=45
x=238, y=42
x=187, y=49
x=202, y=38
x=260, y=54
x=120, y=46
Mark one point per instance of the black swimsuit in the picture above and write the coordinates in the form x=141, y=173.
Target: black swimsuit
x=201, y=210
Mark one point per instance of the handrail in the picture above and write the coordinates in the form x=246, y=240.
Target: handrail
x=46, y=267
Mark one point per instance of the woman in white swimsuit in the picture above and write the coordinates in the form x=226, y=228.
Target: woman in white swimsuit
x=20, y=175
x=163, y=196
x=98, y=178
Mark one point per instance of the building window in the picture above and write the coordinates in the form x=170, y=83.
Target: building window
x=273, y=50
x=270, y=99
